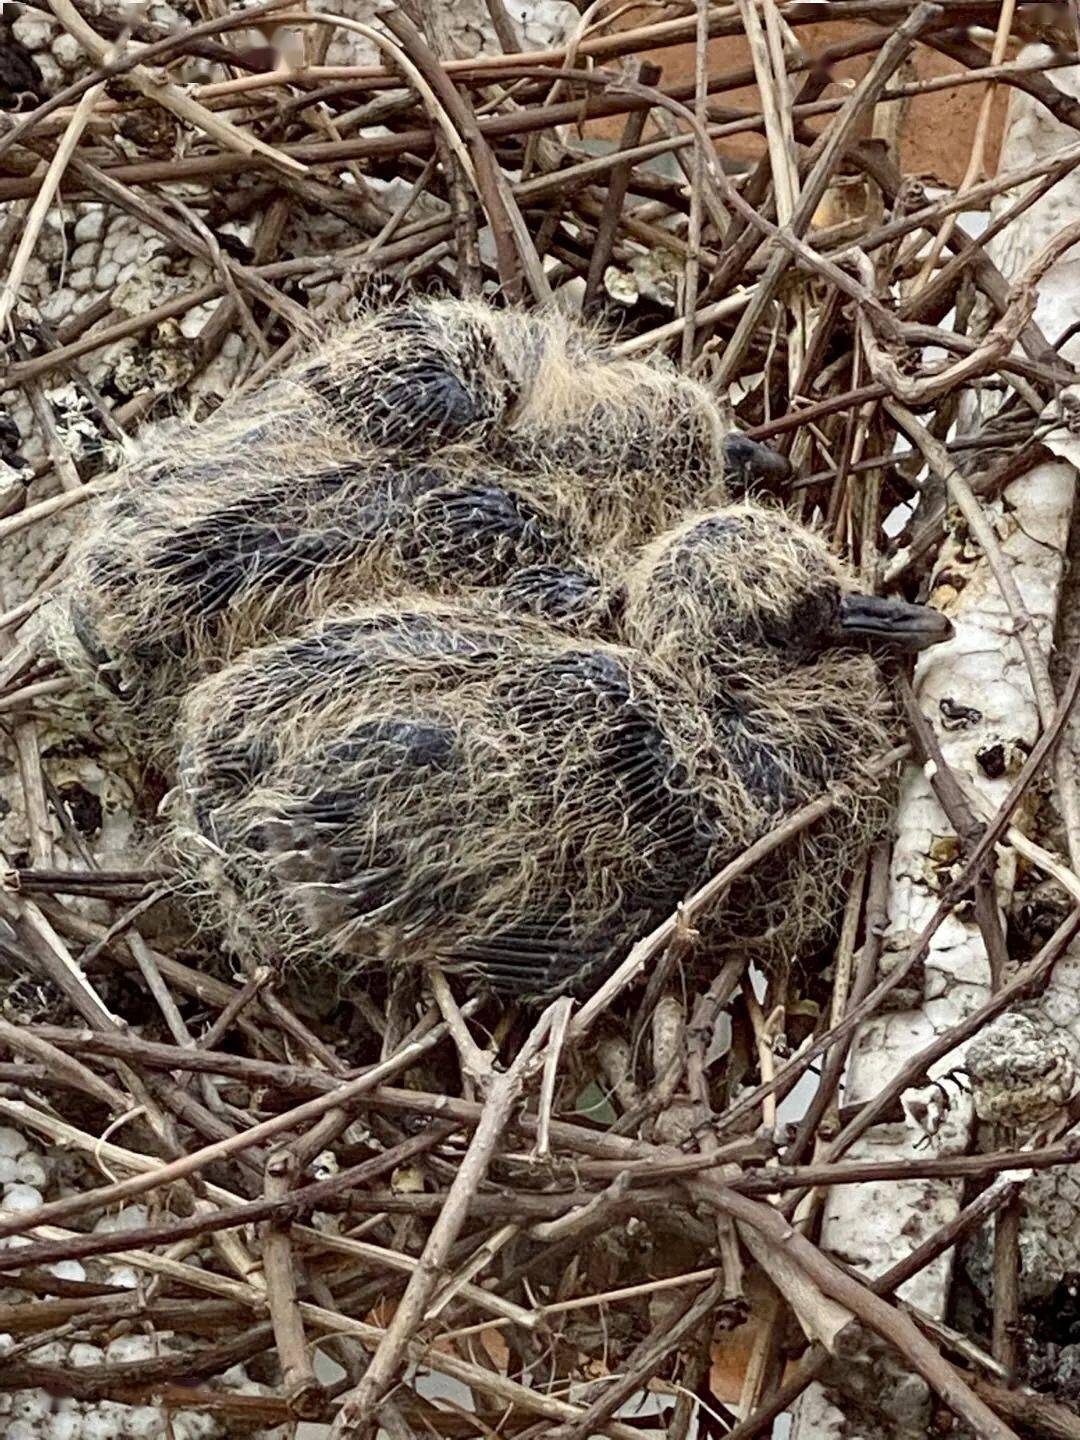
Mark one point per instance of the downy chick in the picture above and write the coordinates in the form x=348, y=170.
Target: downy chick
x=420, y=782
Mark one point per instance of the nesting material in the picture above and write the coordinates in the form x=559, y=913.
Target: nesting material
x=438, y=447
x=446, y=782
x=498, y=1231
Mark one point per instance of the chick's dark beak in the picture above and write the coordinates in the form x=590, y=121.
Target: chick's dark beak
x=892, y=623
x=746, y=460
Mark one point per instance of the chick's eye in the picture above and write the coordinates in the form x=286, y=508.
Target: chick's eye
x=806, y=625
x=825, y=608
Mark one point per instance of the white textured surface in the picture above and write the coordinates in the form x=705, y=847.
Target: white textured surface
x=982, y=670
x=1050, y=1224
x=536, y=23
x=33, y=1414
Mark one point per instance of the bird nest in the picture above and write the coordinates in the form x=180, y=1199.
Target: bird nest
x=237, y=1201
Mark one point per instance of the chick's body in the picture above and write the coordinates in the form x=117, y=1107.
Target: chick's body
x=425, y=782
x=188, y=577
x=449, y=782
x=441, y=447
x=536, y=391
